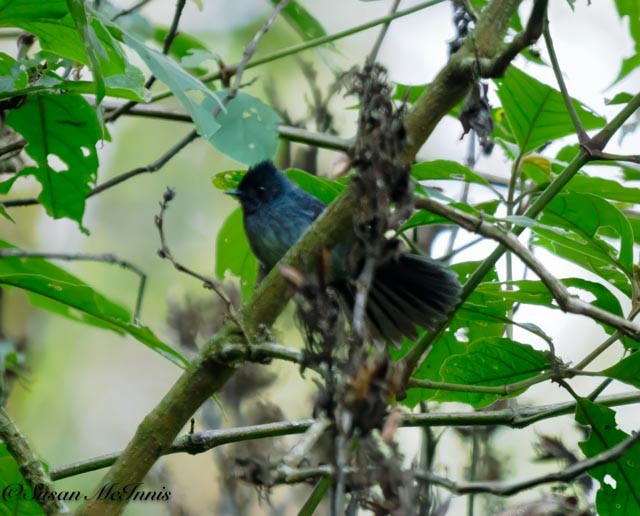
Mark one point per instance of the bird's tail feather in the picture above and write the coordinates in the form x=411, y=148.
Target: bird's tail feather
x=406, y=292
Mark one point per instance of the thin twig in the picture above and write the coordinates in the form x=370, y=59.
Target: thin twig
x=230, y=70
x=30, y=467
x=373, y=55
x=104, y=258
x=568, y=102
x=301, y=450
x=507, y=489
x=131, y=9
x=165, y=252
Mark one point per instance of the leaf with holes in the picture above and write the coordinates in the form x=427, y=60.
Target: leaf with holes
x=534, y=292
x=63, y=128
x=536, y=112
x=619, y=491
x=248, y=129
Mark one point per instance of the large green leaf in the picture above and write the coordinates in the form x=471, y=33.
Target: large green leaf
x=619, y=491
x=573, y=222
x=248, y=130
x=54, y=289
x=63, y=127
x=198, y=100
x=234, y=255
x=11, y=481
x=536, y=112
x=491, y=361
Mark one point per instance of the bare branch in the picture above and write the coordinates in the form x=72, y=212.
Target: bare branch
x=507, y=489
x=165, y=252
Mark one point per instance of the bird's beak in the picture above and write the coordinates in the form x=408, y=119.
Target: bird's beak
x=234, y=193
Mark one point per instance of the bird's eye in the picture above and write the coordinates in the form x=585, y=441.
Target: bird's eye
x=261, y=188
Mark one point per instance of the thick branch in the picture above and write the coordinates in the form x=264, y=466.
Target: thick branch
x=204, y=376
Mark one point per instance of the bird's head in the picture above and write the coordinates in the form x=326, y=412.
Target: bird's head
x=261, y=184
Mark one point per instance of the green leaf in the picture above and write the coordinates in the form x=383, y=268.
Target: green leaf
x=490, y=362
x=628, y=65
x=534, y=292
x=445, y=170
x=301, y=20
x=198, y=100
x=536, y=112
x=12, y=74
x=54, y=289
x=4, y=213
x=619, y=98
x=184, y=48
x=627, y=370
x=411, y=92
x=574, y=221
x=248, y=130
x=81, y=37
x=228, y=180
x=92, y=46
x=61, y=127
x=624, y=498
x=631, y=9
x=234, y=255
x=613, y=190
x=10, y=476
x=320, y=187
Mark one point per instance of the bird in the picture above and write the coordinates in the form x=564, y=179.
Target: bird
x=407, y=291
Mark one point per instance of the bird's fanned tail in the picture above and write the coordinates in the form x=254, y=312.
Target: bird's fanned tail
x=408, y=291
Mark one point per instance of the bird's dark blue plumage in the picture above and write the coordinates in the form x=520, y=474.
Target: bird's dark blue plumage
x=407, y=291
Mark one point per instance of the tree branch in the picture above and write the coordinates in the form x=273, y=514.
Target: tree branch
x=509, y=240
x=412, y=359
x=203, y=441
x=30, y=467
x=205, y=375
x=507, y=489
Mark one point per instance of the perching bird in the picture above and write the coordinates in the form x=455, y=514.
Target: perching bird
x=408, y=290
